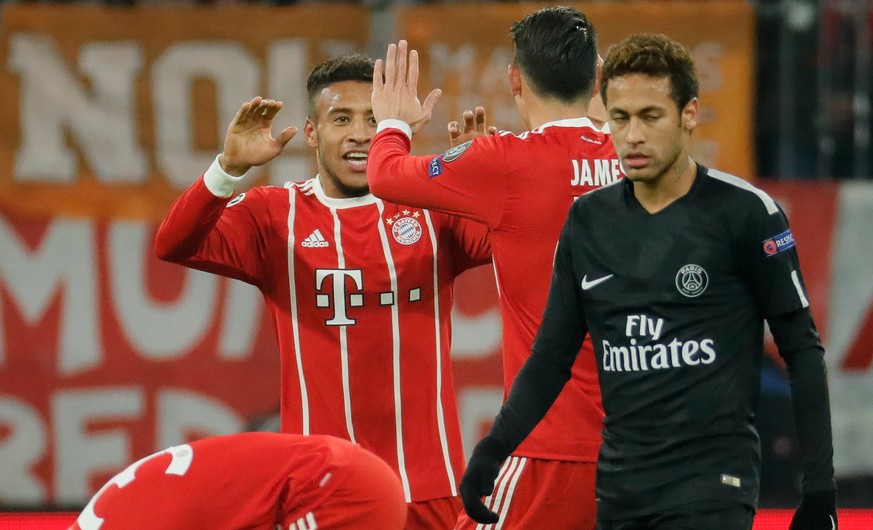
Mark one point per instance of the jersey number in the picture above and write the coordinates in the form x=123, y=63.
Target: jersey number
x=182, y=457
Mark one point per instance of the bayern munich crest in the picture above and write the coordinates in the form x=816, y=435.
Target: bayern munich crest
x=406, y=230
x=692, y=280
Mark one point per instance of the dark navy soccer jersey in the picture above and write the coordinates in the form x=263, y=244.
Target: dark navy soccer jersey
x=674, y=302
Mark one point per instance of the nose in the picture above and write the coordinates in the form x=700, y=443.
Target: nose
x=635, y=133
x=360, y=130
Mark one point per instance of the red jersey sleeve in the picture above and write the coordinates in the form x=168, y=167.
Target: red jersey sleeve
x=467, y=180
x=218, y=235
x=472, y=244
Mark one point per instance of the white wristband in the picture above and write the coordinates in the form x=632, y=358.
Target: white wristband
x=218, y=181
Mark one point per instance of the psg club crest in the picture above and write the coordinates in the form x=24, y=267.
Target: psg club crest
x=406, y=230
x=692, y=280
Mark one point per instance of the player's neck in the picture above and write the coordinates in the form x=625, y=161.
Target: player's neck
x=541, y=112
x=656, y=194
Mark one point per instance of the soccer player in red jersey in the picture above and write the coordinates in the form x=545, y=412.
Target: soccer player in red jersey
x=257, y=481
x=359, y=289
x=522, y=187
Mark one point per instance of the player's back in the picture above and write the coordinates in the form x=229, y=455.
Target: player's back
x=547, y=168
x=521, y=187
x=248, y=480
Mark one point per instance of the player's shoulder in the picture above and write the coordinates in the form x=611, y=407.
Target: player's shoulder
x=269, y=196
x=737, y=194
x=605, y=200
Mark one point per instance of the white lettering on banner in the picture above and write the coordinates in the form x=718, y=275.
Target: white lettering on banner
x=475, y=336
x=287, y=68
x=243, y=310
x=64, y=262
x=181, y=411
x=477, y=407
x=54, y=102
x=235, y=73
x=157, y=330
x=79, y=452
x=99, y=114
x=22, y=446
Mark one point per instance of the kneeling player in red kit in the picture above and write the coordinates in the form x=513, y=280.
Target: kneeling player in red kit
x=253, y=481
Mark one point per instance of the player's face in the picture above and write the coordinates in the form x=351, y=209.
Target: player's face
x=340, y=131
x=650, y=134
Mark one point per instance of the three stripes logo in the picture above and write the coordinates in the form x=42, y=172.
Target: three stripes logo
x=307, y=522
x=315, y=239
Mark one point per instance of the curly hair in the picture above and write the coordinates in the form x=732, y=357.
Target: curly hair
x=655, y=56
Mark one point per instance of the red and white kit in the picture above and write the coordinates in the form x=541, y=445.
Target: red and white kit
x=360, y=292
x=251, y=480
x=520, y=186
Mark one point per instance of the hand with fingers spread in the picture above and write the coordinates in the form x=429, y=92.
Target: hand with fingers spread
x=249, y=141
x=395, y=88
x=474, y=126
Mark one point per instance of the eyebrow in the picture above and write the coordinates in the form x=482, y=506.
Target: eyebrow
x=347, y=110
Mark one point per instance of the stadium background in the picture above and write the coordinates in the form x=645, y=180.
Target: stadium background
x=108, y=111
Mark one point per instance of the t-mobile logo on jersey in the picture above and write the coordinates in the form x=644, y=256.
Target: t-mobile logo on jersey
x=340, y=297
x=655, y=354
x=337, y=293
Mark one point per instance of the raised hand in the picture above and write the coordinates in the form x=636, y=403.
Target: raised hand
x=249, y=141
x=474, y=126
x=395, y=88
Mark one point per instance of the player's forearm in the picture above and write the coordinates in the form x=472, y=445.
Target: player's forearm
x=389, y=163
x=192, y=217
x=799, y=345
x=538, y=383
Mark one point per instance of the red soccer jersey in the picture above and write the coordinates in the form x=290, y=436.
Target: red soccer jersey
x=360, y=293
x=248, y=480
x=522, y=188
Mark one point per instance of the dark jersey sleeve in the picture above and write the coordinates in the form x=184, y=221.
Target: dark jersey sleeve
x=771, y=264
x=547, y=370
x=773, y=274
x=214, y=234
x=798, y=342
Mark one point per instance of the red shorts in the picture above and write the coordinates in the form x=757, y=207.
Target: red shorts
x=533, y=494
x=434, y=514
x=369, y=496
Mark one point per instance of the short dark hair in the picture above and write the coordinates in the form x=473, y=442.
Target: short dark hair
x=353, y=67
x=556, y=50
x=653, y=55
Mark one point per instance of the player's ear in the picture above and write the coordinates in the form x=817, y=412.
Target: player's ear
x=310, y=132
x=689, y=115
x=514, y=80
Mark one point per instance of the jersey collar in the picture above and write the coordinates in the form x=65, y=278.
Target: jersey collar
x=573, y=122
x=330, y=202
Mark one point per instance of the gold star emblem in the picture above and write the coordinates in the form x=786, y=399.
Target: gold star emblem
x=389, y=220
x=405, y=212
x=416, y=215
x=397, y=215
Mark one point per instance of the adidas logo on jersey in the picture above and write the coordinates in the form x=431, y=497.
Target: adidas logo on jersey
x=315, y=239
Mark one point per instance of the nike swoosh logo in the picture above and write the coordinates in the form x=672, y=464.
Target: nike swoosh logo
x=589, y=284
